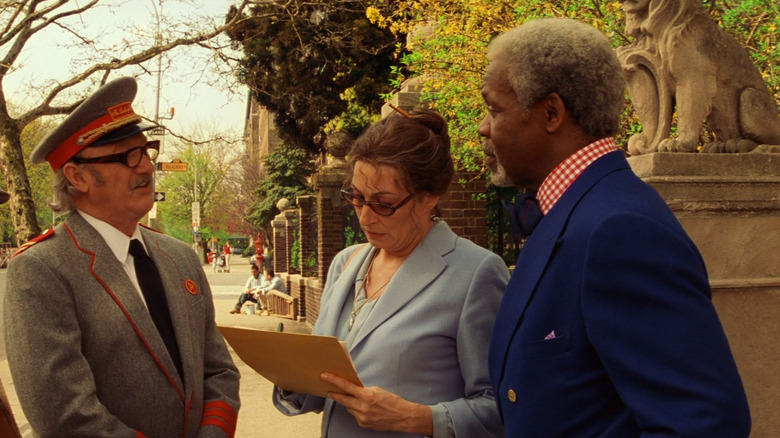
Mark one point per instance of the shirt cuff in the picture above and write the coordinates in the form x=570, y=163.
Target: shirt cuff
x=442, y=422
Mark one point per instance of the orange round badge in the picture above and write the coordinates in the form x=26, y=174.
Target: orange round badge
x=191, y=287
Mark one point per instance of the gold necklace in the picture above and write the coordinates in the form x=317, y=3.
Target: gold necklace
x=355, y=308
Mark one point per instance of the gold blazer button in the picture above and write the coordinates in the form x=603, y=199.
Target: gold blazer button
x=511, y=395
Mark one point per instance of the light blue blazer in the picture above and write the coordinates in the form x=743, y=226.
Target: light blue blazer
x=426, y=338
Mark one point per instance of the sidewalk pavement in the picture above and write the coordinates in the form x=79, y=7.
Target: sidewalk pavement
x=258, y=417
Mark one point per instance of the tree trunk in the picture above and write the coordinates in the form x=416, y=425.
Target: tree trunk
x=21, y=205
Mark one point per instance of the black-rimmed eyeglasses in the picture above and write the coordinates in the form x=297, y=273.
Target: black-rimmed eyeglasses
x=379, y=208
x=130, y=158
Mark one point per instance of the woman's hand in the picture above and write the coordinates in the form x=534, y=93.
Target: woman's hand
x=378, y=409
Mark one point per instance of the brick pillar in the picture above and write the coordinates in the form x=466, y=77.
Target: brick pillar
x=290, y=229
x=280, y=243
x=461, y=208
x=306, y=233
x=330, y=231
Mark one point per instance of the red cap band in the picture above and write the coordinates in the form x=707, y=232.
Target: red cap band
x=116, y=117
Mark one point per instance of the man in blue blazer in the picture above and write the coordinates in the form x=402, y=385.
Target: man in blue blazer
x=606, y=328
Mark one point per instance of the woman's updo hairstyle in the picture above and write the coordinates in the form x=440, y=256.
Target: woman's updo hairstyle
x=417, y=146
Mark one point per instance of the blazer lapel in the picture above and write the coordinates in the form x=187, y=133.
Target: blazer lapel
x=111, y=275
x=422, y=266
x=535, y=255
x=340, y=294
x=104, y=265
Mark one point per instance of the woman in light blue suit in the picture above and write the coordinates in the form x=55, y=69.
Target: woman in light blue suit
x=415, y=305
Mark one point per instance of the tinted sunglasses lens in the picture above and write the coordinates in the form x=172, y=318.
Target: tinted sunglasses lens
x=382, y=209
x=353, y=199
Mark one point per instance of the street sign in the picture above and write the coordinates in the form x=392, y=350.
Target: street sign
x=159, y=196
x=158, y=131
x=195, y=213
x=174, y=166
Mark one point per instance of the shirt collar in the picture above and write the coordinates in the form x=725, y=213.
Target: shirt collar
x=116, y=240
x=568, y=170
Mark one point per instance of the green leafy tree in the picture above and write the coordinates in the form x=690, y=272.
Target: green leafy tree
x=449, y=40
x=451, y=60
x=287, y=171
x=206, y=181
x=301, y=55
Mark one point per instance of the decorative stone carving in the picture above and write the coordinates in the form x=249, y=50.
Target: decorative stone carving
x=282, y=204
x=337, y=144
x=681, y=57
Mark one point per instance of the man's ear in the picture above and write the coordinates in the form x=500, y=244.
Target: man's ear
x=554, y=111
x=77, y=176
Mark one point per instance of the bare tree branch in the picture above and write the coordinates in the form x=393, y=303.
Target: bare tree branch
x=45, y=107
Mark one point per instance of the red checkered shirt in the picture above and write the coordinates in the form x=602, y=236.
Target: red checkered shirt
x=569, y=169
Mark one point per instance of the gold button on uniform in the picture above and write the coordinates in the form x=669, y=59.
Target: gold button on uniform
x=511, y=395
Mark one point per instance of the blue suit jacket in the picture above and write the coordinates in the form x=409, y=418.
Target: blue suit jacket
x=635, y=347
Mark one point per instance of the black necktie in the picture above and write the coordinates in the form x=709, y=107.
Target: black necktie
x=154, y=294
x=524, y=215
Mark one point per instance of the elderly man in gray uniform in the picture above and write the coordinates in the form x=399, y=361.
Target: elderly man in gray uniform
x=110, y=326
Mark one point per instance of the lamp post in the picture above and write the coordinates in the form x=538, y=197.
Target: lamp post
x=158, y=42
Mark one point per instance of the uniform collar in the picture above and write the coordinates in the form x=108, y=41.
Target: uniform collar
x=116, y=240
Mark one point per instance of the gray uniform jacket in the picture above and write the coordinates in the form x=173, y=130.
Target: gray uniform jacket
x=86, y=357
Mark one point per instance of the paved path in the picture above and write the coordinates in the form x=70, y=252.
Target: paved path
x=257, y=418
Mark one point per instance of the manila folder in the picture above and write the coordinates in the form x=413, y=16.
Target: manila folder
x=292, y=361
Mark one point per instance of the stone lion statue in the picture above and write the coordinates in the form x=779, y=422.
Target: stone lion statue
x=681, y=57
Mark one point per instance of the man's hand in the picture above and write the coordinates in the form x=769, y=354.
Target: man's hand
x=378, y=409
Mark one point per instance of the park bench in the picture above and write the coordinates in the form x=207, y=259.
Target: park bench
x=283, y=305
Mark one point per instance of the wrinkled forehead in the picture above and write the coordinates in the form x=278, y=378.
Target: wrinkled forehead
x=371, y=178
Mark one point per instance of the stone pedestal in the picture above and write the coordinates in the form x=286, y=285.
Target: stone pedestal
x=730, y=206
x=330, y=232
x=280, y=243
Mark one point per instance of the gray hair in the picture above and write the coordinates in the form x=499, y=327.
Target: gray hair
x=570, y=58
x=63, y=192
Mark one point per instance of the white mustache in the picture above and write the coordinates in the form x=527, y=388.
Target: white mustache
x=141, y=181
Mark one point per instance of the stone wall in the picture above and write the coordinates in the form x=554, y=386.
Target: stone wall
x=730, y=206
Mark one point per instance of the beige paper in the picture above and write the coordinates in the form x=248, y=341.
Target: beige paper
x=292, y=361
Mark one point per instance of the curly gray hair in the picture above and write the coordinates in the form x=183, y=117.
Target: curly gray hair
x=570, y=58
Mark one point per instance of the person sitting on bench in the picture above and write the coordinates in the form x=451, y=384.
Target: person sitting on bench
x=273, y=282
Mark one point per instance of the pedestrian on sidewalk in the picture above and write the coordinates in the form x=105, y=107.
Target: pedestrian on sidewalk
x=273, y=282
x=253, y=286
x=216, y=262
x=227, y=251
